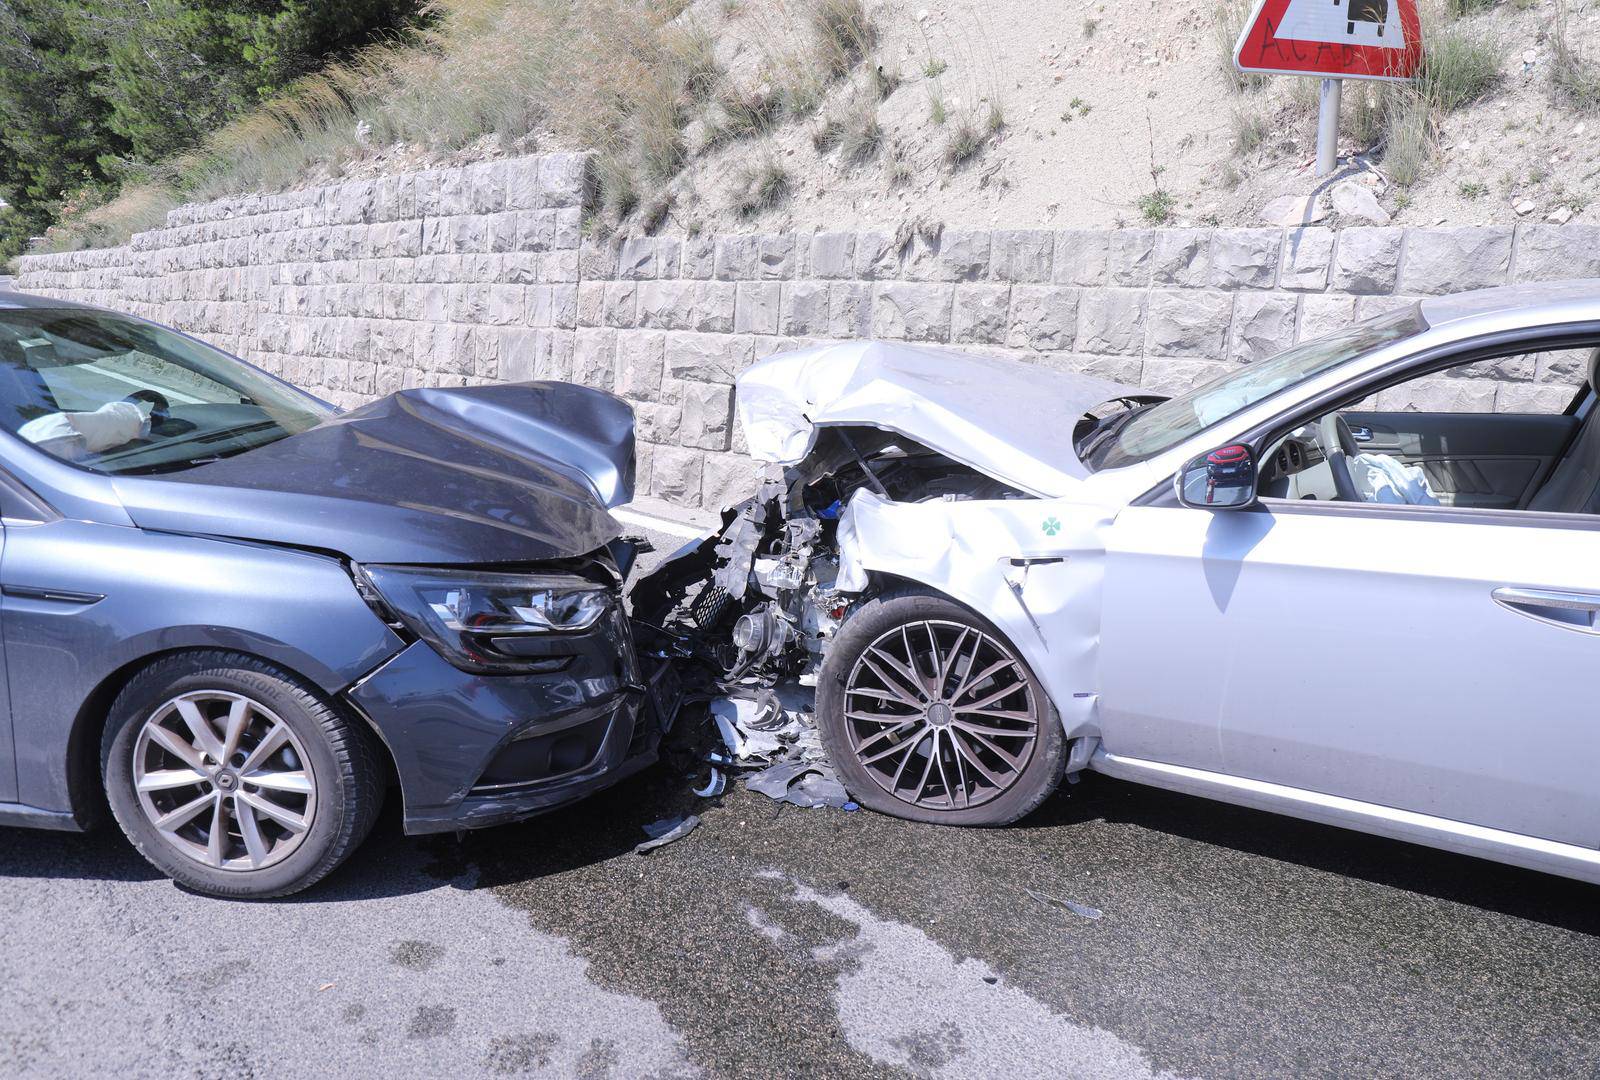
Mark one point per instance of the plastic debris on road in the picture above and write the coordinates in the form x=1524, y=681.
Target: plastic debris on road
x=1065, y=905
x=666, y=831
x=773, y=733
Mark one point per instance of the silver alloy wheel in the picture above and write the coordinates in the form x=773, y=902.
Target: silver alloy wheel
x=224, y=780
x=941, y=715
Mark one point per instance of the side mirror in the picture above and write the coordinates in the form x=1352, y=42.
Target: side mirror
x=1223, y=479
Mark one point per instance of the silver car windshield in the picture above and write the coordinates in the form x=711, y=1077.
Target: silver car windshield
x=1146, y=432
x=118, y=395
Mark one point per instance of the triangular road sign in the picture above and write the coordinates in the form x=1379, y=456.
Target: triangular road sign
x=1342, y=39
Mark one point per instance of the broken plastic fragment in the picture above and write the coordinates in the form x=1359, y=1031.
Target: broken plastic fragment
x=716, y=785
x=665, y=831
x=804, y=783
x=1066, y=905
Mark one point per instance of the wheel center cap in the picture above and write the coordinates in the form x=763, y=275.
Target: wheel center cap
x=227, y=781
x=940, y=714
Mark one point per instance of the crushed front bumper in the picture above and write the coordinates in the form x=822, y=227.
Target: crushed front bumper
x=479, y=750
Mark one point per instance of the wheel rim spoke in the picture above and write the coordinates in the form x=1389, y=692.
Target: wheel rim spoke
x=238, y=718
x=226, y=818
x=175, y=819
x=895, y=687
x=969, y=751
x=216, y=842
x=276, y=740
x=250, y=829
x=204, y=736
x=166, y=779
x=287, y=818
x=294, y=783
x=173, y=743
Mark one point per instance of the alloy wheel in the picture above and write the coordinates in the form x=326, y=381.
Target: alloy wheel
x=224, y=781
x=941, y=715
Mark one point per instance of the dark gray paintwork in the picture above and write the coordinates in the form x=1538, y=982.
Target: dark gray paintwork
x=100, y=573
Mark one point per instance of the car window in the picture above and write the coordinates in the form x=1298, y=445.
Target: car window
x=119, y=395
x=1157, y=428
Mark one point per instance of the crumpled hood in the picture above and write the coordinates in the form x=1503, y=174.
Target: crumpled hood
x=1010, y=420
x=479, y=475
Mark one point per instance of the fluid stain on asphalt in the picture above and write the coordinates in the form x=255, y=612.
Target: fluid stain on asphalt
x=1232, y=942
x=415, y=955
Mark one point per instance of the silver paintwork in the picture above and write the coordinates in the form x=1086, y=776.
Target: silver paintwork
x=1404, y=671
x=234, y=789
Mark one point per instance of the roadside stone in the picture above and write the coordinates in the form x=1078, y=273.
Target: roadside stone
x=708, y=357
x=656, y=422
x=775, y=256
x=1080, y=256
x=619, y=303
x=1245, y=258
x=713, y=306
x=707, y=414
x=736, y=258
x=640, y=360
x=699, y=257
x=1126, y=370
x=1367, y=260
x=1439, y=393
x=1263, y=326
x=1321, y=315
x=982, y=313
x=636, y=258
x=1111, y=320
x=1307, y=258
x=1181, y=257
x=1188, y=323
x=667, y=305
x=1291, y=211
x=1129, y=257
x=830, y=255
x=1532, y=398
x=594, y=358
x=849, y=309
x=1021, y=254
x=729, y=479
x=804, y=308
x=1555, y=252
x=756, y=308
x=1353, y=200
x=913, y=312
x=1451, y=260
x=1043, y=317
x=877, y=255
x=675, y=474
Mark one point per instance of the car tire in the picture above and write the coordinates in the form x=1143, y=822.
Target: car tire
x=294, y=760
x=878, y=726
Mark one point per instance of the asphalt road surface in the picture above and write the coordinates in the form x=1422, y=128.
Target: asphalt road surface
x=774, y=941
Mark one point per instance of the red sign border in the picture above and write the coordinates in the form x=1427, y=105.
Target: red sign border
x=1364, y=61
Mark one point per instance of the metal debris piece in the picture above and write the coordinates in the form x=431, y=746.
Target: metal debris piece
x=665, y=831
x=804, y=783
x=1066, y=905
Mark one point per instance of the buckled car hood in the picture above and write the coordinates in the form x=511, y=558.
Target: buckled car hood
x=484, y=474
x=1009, y=420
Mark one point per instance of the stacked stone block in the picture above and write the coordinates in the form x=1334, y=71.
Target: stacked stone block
x=451, y=277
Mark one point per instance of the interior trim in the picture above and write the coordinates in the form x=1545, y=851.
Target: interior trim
x=1534, y=853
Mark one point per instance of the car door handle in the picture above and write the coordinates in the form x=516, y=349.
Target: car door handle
x=1360, y=433
x=1572, y=610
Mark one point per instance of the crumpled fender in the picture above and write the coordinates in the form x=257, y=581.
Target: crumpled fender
x=1032, y=567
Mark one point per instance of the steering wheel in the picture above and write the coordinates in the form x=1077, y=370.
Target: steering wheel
x=160, y=407
x=1338, y=447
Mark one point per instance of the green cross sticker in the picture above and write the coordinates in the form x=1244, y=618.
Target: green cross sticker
x=1051, y=526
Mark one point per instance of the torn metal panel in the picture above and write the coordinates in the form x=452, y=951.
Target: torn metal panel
x=1007, y=419
x=1032, y=567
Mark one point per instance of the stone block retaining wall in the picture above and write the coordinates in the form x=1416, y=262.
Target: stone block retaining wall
x=450, y=277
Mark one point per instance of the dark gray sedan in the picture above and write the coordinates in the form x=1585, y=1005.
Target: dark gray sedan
x=235, y=614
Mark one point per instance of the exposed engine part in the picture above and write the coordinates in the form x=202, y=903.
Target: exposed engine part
x=759, y=601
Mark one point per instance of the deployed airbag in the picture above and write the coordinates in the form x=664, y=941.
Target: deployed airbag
x=1380, y=478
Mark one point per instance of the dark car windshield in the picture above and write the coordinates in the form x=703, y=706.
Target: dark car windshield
x=118, y=395
x=1157, y=428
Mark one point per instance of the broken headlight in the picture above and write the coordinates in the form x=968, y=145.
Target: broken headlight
x=482, y=621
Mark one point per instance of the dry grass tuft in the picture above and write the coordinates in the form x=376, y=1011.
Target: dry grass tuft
x=845, y=34
x=1574, y=78
x=762, y=187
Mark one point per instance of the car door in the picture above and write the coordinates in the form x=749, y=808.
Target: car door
x=1465, y=455
x=1430, y=659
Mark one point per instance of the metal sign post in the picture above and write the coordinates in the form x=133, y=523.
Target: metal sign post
x=1328, y=126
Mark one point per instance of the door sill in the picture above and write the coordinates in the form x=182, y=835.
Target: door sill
x=31, y=817
x=1549, y=856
